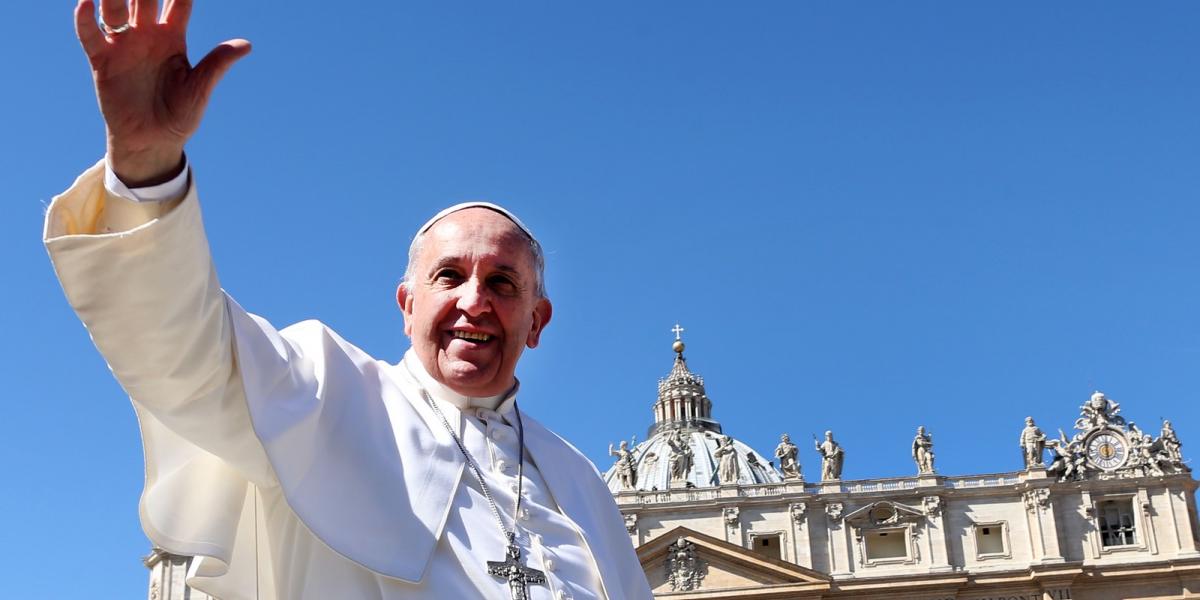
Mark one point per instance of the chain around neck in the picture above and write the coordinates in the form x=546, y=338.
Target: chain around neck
x=509, y=535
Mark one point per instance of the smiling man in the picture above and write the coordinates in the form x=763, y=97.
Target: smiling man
x=291, y=462
x=473, y=296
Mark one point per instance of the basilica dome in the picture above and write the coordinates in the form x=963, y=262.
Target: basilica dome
x=686, y=438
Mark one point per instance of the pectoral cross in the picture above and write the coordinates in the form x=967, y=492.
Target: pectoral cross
x=518, y=577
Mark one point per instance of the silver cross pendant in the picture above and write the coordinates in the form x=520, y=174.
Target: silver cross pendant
x=518, y=577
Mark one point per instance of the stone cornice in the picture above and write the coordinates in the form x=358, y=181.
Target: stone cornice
x=1001, y=484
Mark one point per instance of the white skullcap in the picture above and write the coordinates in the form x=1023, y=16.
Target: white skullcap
x=465, y=205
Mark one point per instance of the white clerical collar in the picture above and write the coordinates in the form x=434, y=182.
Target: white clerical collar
x=439, y=391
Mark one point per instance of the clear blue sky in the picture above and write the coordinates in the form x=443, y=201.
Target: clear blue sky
x=868, y=216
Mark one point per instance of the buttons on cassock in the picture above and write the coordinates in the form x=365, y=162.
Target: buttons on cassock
x=499, y=435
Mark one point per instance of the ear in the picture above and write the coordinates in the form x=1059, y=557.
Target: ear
x=541, y=316
x=405, y=300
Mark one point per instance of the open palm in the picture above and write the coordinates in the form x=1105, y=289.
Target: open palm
x=150, y=95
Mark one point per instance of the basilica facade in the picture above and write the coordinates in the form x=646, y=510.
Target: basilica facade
x=1106, y=513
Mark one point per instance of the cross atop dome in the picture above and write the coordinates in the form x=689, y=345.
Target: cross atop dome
x=678, y=345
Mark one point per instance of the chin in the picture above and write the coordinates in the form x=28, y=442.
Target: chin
x=470, y=380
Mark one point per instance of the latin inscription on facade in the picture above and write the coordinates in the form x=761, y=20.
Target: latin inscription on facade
x=1052, y=594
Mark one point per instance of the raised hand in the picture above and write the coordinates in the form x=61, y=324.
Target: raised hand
x=151, y=97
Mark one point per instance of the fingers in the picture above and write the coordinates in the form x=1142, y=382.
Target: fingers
x=145, y=12
x=115, y=13
x=213, y=67
x=89, y=34
x=177, y=13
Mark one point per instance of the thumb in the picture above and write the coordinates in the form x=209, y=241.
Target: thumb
x=213, y=66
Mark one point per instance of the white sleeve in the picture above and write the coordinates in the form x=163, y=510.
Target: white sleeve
x=170, y=190
x=229, y=406
x=140, y=277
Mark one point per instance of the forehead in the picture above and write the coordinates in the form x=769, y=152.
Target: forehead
x=475, y=233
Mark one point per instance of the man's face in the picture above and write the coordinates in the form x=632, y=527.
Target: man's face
x=472, y=306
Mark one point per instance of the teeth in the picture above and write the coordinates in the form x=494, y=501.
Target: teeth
x=475, y=337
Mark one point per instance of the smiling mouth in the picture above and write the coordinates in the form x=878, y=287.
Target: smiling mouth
x=471, y=336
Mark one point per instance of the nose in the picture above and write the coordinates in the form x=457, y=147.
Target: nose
x=473, y=299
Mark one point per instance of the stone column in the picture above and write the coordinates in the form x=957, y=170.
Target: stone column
x=1043, y=526
x=1181, y=522
x=840, y=557
x=937, y=543
x=731, y=515
x=632, y=528
x=801, y=546
x=1089, y=514
x=1144, y=506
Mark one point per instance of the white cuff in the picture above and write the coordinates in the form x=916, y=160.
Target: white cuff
x=171, y=190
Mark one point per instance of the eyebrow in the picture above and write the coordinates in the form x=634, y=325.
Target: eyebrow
x=453, y=261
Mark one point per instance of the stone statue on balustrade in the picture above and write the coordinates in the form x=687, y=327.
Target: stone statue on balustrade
x=681, y=457
x=922, y=451
x=727, y=465
x=788, y=455
x=1033, y=443
x=626, y=467
x=832, y=457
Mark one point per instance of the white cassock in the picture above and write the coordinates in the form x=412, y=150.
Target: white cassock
x=294, y=464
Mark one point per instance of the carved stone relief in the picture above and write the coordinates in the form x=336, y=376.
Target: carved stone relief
x=732, y=514
x=833, y=510
x=798, y=511
x=1106, y=446
x=1036, y=499
x=685, y=571
x=933, y=505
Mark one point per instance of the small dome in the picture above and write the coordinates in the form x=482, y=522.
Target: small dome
x=653, y=463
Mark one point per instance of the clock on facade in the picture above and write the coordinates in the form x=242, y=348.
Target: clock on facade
x=1107, y=450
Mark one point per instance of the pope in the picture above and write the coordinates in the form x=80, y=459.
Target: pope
x=294, y=465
